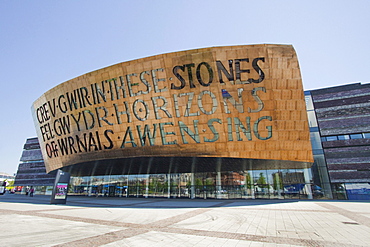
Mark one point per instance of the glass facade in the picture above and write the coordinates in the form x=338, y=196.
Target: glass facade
x=321, y=181
x=358, y=191
x=351, y=191
x=255, y=184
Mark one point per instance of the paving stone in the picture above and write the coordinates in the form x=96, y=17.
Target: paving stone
x=90, y=221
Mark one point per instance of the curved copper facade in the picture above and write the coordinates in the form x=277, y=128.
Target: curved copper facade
x=230, y=103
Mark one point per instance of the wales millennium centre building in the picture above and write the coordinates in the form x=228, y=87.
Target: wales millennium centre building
x=218, y=122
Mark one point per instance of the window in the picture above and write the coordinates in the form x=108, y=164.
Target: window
x=331, y=138
x=356, y=136
x=309, y=103
x=367, y=135
x=343, y=137
x=312, y=119
x=315, y=140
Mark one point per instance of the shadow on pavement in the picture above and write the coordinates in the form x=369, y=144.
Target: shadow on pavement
x=132, y=202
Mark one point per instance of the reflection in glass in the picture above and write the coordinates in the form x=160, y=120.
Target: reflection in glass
x=248, y=184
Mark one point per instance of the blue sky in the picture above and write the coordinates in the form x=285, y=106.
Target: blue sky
x=44, y=43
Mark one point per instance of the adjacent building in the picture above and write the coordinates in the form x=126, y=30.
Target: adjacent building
x=31, y=170
x=339, y=119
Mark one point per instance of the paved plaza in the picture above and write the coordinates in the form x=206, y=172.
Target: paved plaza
x=91, y=221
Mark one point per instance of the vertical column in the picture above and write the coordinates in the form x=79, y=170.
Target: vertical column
x=169, y=178
x=218, y=185
x=250, y=172
x=179, y=185
x=90, y=186
x=192, y=180
x=218, y=179
x=169, y=185
x=307, y=180
x=127, y=187
x=147, y=186
x=192, y=186
x=147, y=177
x=137, y=186
x=278, y=183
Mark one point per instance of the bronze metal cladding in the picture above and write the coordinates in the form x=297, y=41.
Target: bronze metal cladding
x=238, y=102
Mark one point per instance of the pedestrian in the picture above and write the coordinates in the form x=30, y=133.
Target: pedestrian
x=27, y=191
x=31, y=191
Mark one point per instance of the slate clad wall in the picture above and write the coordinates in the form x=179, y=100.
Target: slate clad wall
x=31, y=170
x=340, y=111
